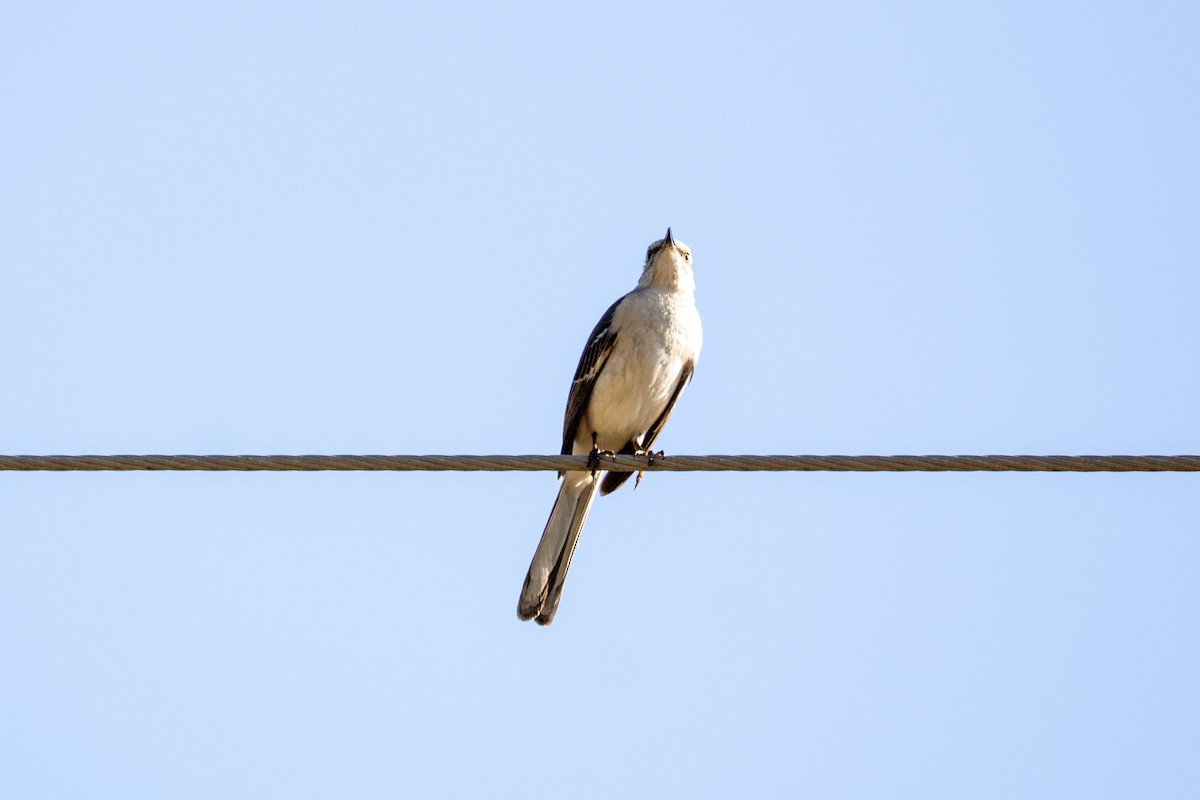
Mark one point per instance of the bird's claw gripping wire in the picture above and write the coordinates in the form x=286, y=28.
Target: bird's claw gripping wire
x=650, y=456
x=593, y=462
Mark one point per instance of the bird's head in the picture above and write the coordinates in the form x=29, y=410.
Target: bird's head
x=668, y=265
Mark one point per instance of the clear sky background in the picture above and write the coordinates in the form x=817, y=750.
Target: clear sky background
x=388, y=228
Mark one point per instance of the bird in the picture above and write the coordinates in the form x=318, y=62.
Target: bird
x=636, y=364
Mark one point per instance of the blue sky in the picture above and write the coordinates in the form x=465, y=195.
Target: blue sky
x=388, y=228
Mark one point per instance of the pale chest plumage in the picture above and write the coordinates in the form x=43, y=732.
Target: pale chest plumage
x=660, y=335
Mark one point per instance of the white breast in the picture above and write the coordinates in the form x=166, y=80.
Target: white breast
x=658, y=333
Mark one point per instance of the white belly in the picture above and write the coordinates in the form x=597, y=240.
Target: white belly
x=644, y=370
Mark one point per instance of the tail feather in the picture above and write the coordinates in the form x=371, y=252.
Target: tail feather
x=548, y=571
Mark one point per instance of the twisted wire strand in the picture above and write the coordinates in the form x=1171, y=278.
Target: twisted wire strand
x=621, y=463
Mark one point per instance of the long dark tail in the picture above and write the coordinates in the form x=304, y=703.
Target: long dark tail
x=548, y=570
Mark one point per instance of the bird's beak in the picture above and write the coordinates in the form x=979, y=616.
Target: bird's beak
x=667, y=240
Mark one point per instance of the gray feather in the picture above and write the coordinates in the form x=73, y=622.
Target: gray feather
x=543, y=586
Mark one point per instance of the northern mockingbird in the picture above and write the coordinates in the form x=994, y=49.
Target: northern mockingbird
x=638, y=359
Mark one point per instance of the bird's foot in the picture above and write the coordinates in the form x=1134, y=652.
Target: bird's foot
x=650, y=456
x=593, y=462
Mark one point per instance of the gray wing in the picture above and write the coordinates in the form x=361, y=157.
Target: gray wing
x=591, y=364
